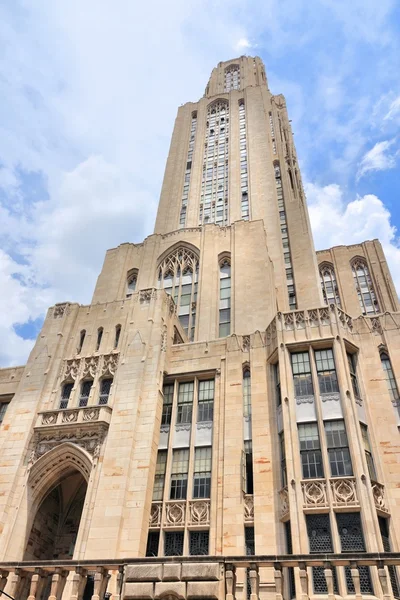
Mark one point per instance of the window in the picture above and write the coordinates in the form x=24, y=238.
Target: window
x=338, y=448
x=117, y=335
x=278, y=393
x=159, y=477
x=248, y=467
x=384, y=529
x=244, y=183
x=232, y=78
x=205, y=409
x=302, y=374
x=173, y=543
x=3, y=408
x=179, y=474
x=246, y=393
x=310, y=451
x=329, y=286
x=198, y=543
x=283, y=458
x=168, y=392
x=249, y=541
x=202, y=473
x=284, y=233
x=185, y=402
x=105, y=387
x=352, y=540
x=99, y=336
x=320, y=542
x=86, y=386
x=368, y=452
x=186, y=183
x=326, y=371
x=153, y=540
x=65, y=395
x=351, y=359
x=225, y=298
x=364, y=286
x=390, y=378
x=131, y=282
x=81, y=340
x=289, y=550
x=178, y=276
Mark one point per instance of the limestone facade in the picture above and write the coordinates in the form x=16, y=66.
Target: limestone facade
x=228, y=393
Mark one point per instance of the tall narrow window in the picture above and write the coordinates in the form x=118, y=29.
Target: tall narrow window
x=384, y=529
x=368, y=452
x=302, y=377
x=205, y=409
x=105, y=388
x=225, y=298
x=179, y=474
x=277, y=377
x=202, y=473
x=99, y=338
x=310, y=451
x=289, y=550
x=244, y=179
x=320, y=542
x=188, y=171
x=173, y=543
x=185, y=402
x=232, y=78
x=153, y=540
x=178, y=275
x=131, y=282
x=329, y=286
x=82, y=336
x=283, y=458
x=352, y=540
x=390, y=378
x=117, y=335
x=351, y=359
x=364, y=287
x=159, y=478
x=285, y=238
x=198, y=543
x=168, y=392
x=338, y=448
x=248, y=467
x=86, y=386
x=3, y=409
x=246, y=393
x=249, y=541
x=65, y=394
x=326, y=370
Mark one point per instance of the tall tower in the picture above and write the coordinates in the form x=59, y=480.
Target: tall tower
x=228, y=392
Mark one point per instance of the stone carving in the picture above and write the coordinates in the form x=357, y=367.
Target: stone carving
x=110, y=364
x=248, y=508
x=345, y=319
x=284, y=501
x=246, y=343
x=90, y=440
x=90, y=366
x=155, y=514
x=376, y=325
x=344, y=492
x=164, y=429
x=146, y=295
x=327, y=397
x=71, y=369
x=314, y=493
x=204, y=425
x=324, y=316
x=300, y=320
x=60, y=310
x=69, y=416
x=164, y=341
x=91, y=414
x=199, y=512
x=175, y=514
x=183, y=427
x=304, y=399
x=288, y=320
x=378, y=491
x=49, y=418
x=313, y=317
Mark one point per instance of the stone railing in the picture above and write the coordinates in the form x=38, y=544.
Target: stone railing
x=179, y=513
x=344, y=491
x=313, y=317
x=314, y=493
x=188, y=578
x=338, y=491
x=73, y=416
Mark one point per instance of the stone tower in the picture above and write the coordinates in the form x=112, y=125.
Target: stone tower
x=228, y=393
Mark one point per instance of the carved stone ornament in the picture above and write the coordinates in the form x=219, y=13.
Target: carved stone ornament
x=60, y=310
x=246, y=343
x=183, y=427
x=91, y=414
x=248, y=507
x=110, y=364
x=313, y=317
x=378, y=491
x=49, y=418
x=271, y=331
x=89, y=439
x=324, y=316
x=327, y=397
x=344, y=492
x=376, y=325
x=70, y=416
x=199, y=512
x=314, y=493
x=164, y=429
x=164, y=341
x=304, y=399
x=146, y=295
x=71, y=369
x=284, y=501
x=90, y=366
x=155, y=514
x=345, y=319
x=204, y=425
x=300, y=320
x=175, y=514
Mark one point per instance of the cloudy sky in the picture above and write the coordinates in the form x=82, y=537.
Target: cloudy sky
x=89, y=91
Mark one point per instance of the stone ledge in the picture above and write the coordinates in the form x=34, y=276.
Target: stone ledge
x=172, y=572
x=144, y=572
x=177, y=589
x=203, y=589
x=198, y=571
x=138, y=591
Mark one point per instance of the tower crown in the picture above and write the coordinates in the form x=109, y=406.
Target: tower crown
x=235, y=74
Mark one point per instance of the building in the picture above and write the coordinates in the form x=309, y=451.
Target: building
x=229, y=393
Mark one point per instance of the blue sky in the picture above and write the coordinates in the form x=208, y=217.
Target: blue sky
x=89, y=96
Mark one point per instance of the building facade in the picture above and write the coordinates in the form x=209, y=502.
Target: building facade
x=222, y=420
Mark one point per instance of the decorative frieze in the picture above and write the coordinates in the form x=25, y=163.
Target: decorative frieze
x=344, y=491
x=199, y=512
x=90, y=366
x=60, y=310
x=174, y=514
x=331, y=396
x=304, y=399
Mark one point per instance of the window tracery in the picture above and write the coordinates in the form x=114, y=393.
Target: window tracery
x=178, y=275
x=364, y=287
x=131, y=282
x=329, y=286
x=225, y=298
x=186, y=183
x=232, y=78
x=390, y=378
x=244, y=179
x=214, y=186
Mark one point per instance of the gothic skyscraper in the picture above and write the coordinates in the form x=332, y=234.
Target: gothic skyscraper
x=228, y=392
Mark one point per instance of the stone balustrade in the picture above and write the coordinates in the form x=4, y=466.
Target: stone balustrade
x=84, y=416
x=207, y=577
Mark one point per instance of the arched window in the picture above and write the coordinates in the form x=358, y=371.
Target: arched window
x=105, y=387
x=246, y=393
x=225, y=298
x=329, y=286
x=390, y=378
x=178, y=274
x=232, y=78
x=66, y=394
x=364, y=287
x=99, y=337
x=117, y=335
x=86, y=386
x=131, y=282
x=82, y=336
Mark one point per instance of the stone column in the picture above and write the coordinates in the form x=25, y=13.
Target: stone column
x=230, y=582
x=356, y=580
x=303, y=575
x=278, y=582
x=328, y=572
x=383, y=579
x=36, y=580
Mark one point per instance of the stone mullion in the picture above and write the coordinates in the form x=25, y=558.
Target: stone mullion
x=215, y=451
x=189, y=495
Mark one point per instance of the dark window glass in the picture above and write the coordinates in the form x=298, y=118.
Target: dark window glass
x=81, y=340
x=179, y=474
x=384, y=529
x=117, y=335
x=65, y=395
x=105, y=387
x=283, y=458
x=338, y=448
x=86, y=386
x=390, y=378
x=351, y=359
x=173, y=543
x=185, y=402
x=202, y=473
x=302, y=374
x=168, y=392
x=99, y=337
x=326, y=371
x=205, y=409
x=289, y=550
x=159, y=478
x=198, y=543
x=352, y=540
x=320, y=541
x=310, y=451
x=248, y=451
x=277, y=384
x=152, y=543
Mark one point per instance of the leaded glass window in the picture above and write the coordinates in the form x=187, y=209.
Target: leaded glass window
x=247, y=393
x=153, y=540
x=105, y=387
x=368, y=452
x=205, y=408
x=225, y=298
x=198, y=543
x=283, y=458
x=248, y=466
x=82, y=336
x=179, y=474
x=310, y=451
x=249, y=541
x=338, y=448
x=364, y=286
x=173, y=543
x=232, y=78
x=159, y=478
x=329, y=286
x=185, y=402
x=326, y=371
x=202, y=472
x=86, y=386
x=351, y=359
x=3, y=409
x=178, y=276
x=65, y=395
x=99, y=338
x=390, y=378
x=384, y=529
x=188, y=171
x=168, y=393
x=352, y=540
x=302, y=377
x=320, y=541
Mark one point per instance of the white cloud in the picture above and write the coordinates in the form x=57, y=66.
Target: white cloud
x=335, y=223
x=243, y=44
x=377, y=159
x=394, y=110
